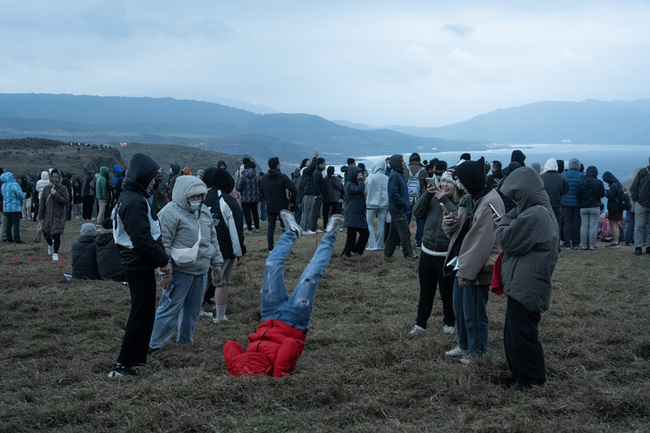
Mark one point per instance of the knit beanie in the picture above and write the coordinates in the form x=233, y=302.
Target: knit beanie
x=518, y=155
x=88, y=229
x=472, y=175
x=551, y=165
x=448, y=175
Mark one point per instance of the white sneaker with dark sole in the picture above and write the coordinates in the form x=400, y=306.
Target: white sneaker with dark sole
x=448, y=329
x=456, y=351
x=335, y=223
x=416, y=330
x=290, y=222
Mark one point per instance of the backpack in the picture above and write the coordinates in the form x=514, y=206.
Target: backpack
x=413, y=185
x=624, y=202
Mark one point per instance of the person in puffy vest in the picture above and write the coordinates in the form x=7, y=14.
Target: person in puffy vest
x=274, y=349
x=84, y=254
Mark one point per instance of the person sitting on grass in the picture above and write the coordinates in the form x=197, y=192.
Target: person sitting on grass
x=109, y=260
x=84, y=254
x=274, y=348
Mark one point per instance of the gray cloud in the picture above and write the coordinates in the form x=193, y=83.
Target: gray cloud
x=458, y=29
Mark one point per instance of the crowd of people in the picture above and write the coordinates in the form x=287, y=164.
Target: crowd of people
x=478, y=227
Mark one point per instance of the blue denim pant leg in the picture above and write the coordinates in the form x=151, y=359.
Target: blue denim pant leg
x=170, y=307
x=274, y=289
x=476, y=319
x=298, y=309
x=370, y=217
x=189, y=315
x=628, y=234
x=459, y=312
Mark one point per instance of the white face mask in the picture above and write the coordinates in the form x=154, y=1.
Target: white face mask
x=194, y=205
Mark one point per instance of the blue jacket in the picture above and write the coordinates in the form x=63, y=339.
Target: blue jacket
x=12, y=193
x=398, y=192
x=574, y=177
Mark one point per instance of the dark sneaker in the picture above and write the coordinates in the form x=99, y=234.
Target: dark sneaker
x=613, y=245
x=334, y=224
x=121, y=371
x=638, y=251
x=290, y=222
x=647, y=250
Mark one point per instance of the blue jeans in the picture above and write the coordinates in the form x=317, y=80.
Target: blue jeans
x=178, y=310
x=628, y=234
x=470, y=308
x=294, y=310
x=589, y=226
x=376, y=240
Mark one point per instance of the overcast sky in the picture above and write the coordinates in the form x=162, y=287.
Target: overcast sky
x=422, y=63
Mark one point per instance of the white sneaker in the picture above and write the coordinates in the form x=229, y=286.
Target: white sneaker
x=448, y=329
x=50, y=250
x=464, y=361
x=416, y=330
x=456, y=351
x=308, y=232
x=319, y=231
x=290, y=222
x=205, y=314
x=335, y=223
x=223, y=319
x=55, y=257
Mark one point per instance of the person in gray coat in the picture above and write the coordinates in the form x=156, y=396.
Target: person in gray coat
x=528, y=236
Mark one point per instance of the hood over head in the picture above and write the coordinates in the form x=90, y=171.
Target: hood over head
x=187, y=186
x=103, y=171
x=142, y=169
x=353, y=172
x=526, y=188
x=7, y=177
x=551, y=165
x=220, y=179
x=395, y=163
x=45, y=175
x=574, y=164
x=472, y=175
x=118, y=170
x=610, y=178
x=220, y=163
x=592, y=171
x=379, y=166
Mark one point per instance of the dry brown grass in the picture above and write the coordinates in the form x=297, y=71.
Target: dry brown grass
x=360, y=370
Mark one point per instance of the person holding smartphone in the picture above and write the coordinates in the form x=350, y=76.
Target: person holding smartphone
x=437, y=200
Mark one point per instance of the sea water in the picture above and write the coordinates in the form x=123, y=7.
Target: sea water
x=620, y=160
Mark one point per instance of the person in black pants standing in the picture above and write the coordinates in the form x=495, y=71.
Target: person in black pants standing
x=137, y=234
x=274, y=187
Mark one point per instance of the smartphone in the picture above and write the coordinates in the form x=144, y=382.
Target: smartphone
x=432, y=181
x=494, y=211
x=444, y=209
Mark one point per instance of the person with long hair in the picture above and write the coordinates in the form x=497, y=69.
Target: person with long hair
x=51, y=213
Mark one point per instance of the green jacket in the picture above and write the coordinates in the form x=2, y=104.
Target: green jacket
x=101, y=191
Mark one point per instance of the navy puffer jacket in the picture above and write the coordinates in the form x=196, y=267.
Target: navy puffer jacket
x=591, y=189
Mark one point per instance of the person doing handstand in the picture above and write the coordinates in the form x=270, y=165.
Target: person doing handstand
x=274, y=348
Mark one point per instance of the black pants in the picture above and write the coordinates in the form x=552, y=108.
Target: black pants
x=524, y=352
x=330, y=208
x=53, y=240
x=354, y=244
x=139, y=326
x=273, y=217
x=571, y=225
x=430, y=272
x=88, y=203
x=399, y=230
x=251, y=209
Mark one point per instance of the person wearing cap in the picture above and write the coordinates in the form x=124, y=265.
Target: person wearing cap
x=137, y=233
x=471, y=253
x=84, y=254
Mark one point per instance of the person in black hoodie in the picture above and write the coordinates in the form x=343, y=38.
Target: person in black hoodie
x=518, y=156
x=229, y=224
x=614, y=210
x=137, y=234
x=109, y=262
x=332, y=193
x=355, y=213
x=274, y=189
x=84, y=254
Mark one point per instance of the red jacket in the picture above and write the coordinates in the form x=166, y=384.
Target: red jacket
x=273, y=350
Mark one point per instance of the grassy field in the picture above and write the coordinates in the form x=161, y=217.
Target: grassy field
x=361, y=371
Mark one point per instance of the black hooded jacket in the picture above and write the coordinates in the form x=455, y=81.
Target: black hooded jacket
x=135, y=218
x=614, y=194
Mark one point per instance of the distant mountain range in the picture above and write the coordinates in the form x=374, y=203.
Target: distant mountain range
x=222, y=128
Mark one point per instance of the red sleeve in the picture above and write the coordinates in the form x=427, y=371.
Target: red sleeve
x=285, y=362
x=230, y=350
